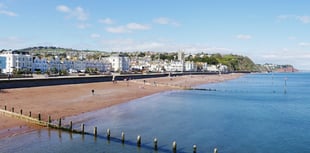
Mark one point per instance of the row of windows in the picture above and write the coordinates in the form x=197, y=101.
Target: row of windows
x=22, y=64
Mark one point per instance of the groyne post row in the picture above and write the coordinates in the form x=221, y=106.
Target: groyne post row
x=172, y=85
x=144, y=82
x=40, y=122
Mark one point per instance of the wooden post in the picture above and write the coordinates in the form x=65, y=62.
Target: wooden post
x=155, y=144
x=108, y=134
x=39, y=117
x=82, y=128
x=4, y=107
x=174, y=146
x=95, y=131
x=123, y=137
x=138, y=140
x=21, y=111
x=215, y=150
x=59, y=123
x=194, y=148
x=29, y=113
x=70, y=127
x=12, y=109
x=49, y=119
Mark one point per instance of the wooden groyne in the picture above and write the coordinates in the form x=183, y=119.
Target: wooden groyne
x=69, y=128
x=175, y=86
x=36, y=121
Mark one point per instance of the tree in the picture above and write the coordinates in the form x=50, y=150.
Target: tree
x=142, y=54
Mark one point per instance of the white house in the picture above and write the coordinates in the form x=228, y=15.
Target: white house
x=212, y=68
x=19, y=60
x=217, y=68
x=190, y=66
x=119, y=62
x=175, y=66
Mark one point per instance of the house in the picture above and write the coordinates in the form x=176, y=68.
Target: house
x=190, y=66
x=119, y=63
x=40, y=64
x=175, y=66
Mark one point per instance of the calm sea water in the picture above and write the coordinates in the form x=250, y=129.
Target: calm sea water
x=257, y=113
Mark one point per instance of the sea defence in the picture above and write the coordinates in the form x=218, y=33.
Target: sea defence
x=49, y=81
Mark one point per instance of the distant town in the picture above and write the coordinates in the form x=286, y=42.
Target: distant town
x=55, y=61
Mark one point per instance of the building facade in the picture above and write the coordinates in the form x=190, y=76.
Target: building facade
x=2, y=63
x=17, y=60
x=39, y=65
x=119, y=63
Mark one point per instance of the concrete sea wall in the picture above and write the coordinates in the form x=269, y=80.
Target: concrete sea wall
x=49, y=81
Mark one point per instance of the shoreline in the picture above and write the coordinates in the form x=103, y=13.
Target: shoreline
x=69, y=100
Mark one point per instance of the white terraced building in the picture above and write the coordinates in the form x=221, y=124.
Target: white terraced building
x=119, y=63
x=18, y=60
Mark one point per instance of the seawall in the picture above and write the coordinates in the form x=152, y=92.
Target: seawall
x=49, y=81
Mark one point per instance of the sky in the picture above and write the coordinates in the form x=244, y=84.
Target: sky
x=267, y=31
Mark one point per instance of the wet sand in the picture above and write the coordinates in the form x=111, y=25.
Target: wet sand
x=69, y=100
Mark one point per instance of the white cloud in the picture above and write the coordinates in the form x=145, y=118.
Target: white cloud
x=12, y=42
x=95, y=35
x=119, y=29
x=292, y=38
x=284, y=17
x=158, y=45
x=131, y=45
x=4, y=11
x=165, y=21
x=136, y=26
x=130, y=27
x=304, y=44
x=63, y=8
x=106, y=21
x=80, y=14
x=8, y=13
x=244, y=37
x=304, y=19
x=83, y=25
x=77, y=13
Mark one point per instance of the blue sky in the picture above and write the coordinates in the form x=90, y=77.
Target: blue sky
x=273, y=31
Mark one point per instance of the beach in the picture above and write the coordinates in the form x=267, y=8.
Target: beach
x=69, y=100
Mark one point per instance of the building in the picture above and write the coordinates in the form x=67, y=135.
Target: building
x=39, y=65
x=190, y=66
x=2, y=63
x=17, y=60
x=181, y=55
x=175, y=66
x=217, y=68
x=119, y=63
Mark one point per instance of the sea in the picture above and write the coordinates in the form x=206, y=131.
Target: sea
x=256, y=113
